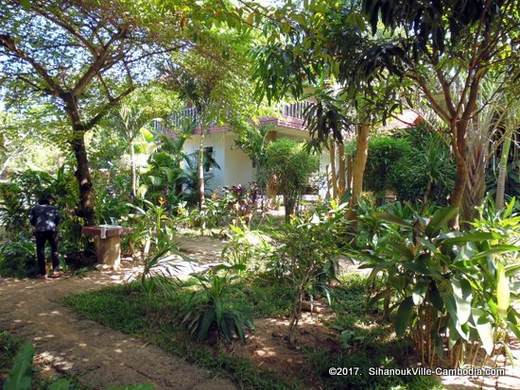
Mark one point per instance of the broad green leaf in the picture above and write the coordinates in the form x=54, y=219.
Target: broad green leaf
x=513, y=327
x=147, y=135
x=403, y=316
x=509, y=353
x=462, y=296
x=484, y=329
x=440, y=219
x=503, y=293
x=419, y=292
x=20, y=376
x=497, y=249
x=454, y=334
x=391, y=218
x=471, y=237
x=401, y=248
x=512, y=269
x=204, y=326
x=508, y=211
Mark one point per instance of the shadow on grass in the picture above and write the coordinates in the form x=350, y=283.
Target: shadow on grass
x=365, y=339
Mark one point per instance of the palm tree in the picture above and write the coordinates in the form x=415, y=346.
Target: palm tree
x=128, y=121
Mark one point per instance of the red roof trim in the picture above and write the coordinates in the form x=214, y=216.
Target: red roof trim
x=285, y=122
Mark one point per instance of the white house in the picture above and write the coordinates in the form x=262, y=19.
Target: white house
x=235, y=166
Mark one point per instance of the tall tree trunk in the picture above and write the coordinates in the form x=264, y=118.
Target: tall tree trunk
x=200, y=168
x=342, y=174
x=333, y=178
x=459, y=150
x=289, y=203
x=86, y=194
x=133, y=170
x=502, y=168
x=358, y=166
x=477, y=158
x=349, y=173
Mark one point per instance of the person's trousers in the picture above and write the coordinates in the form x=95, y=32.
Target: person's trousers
x=41, y=239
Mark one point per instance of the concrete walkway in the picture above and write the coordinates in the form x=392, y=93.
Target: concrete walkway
x=98, y=356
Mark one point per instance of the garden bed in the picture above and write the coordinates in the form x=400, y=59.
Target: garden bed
x=265, y=360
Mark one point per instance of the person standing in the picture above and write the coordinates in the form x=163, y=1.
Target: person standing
x=45, y=219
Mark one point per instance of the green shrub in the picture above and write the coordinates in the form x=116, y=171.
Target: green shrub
x=23, y=192
x=211, y=308
x=289, y=166
x=20, y=376
x=248, y=249
x=416, y=163
x=383, y=153
x=307, y=259
x=17, y=258
x=445, y=288
x=427, y=173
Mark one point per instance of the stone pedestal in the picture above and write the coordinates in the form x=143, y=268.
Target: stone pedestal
x=107, y=239
x=108, y=251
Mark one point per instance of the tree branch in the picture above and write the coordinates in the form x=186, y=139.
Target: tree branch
x=435, y=105
x=8, y=42
x=100, y=59
x=67, y=27
x=103, y=110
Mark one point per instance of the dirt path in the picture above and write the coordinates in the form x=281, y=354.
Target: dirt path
x=98, y=356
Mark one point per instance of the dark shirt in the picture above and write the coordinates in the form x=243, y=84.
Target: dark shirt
x=45, y=218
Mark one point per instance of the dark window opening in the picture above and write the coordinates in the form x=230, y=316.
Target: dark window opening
x=208, y=157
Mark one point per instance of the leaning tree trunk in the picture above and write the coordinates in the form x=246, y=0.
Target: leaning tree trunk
x=86, y=193
x=502, y=168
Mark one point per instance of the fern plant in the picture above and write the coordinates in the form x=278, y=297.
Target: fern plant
x=211, y=309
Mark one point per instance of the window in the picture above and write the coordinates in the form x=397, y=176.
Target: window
x=208, y=158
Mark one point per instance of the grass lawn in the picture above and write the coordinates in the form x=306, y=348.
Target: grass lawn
x=363, y=339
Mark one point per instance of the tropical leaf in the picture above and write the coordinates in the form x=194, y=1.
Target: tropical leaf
x=471, y=237
x=463, y=296
x=440, y=219
x=403, y=316
x=20, y=376
x=484, y=329
x=503, y=293
x=419, y=292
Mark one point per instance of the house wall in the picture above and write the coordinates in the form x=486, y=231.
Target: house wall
x=218, y=142
x=235, y=165
x=239, y=168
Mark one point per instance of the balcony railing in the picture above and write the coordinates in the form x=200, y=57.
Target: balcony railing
x=293, y=110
